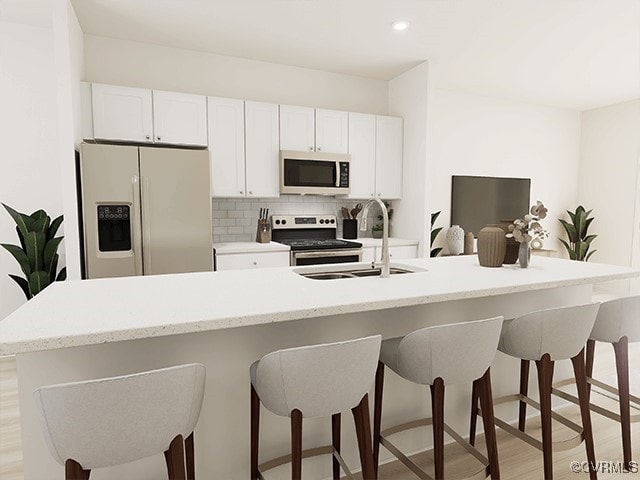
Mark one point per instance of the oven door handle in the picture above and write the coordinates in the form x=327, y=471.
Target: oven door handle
x=327, y=253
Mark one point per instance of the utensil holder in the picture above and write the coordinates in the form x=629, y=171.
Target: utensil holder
x=350, y=228
x=263, y=234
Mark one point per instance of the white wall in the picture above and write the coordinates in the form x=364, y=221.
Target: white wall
x=30, y=177
x=610, y=153
x=478, y=135
x=408, y=99
x=123, y=62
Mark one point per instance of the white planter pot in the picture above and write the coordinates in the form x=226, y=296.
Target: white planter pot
x=455, y=240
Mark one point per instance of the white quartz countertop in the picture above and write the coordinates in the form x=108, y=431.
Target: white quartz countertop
x=249, y=247
x=86, y=312
x=393, y=242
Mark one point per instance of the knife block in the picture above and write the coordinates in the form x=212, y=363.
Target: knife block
x=263, y=234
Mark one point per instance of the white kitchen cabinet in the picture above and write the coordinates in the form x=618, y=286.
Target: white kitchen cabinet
x=226, y=147
x=362, y=148
x=389, y=141
x=86, y=111
x=332, y=131
x=179, y=118
x=400, y=252
x=297, y=128
x=122, y=113
x=368, y=254
x=243, y=261
x=262, y=150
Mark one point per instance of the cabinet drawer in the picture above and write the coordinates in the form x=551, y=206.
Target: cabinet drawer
x=243, y=261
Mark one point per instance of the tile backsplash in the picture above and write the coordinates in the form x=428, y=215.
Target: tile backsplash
x=234, y=219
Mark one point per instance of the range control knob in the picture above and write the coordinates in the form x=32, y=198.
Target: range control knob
x=284, y=222
x=333, y=220
x=277, y=222
x=321, y=221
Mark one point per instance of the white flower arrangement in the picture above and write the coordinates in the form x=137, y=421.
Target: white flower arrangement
x=528, y=228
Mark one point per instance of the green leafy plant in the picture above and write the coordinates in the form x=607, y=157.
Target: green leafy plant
x=379, y=226
x=579, y=241
x=434, y=234
x=37, y=254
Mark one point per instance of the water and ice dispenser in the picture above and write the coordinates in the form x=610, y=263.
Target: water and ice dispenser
x=114, y=228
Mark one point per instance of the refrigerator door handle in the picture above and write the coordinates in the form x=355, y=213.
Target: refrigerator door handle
x=146, y=228
x=137, y=240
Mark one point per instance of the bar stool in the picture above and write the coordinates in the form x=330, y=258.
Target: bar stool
x=546, y=336
x=439, y=356
x=618, y=323
x=111, y=421
x=316, y=381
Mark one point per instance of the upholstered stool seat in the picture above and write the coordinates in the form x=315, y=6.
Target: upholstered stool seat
x=617, y=323
x=545, y=337
x=111, y=421
x=439, y=356
x=316, y=381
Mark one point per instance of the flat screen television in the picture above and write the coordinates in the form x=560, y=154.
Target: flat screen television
x=479, y=201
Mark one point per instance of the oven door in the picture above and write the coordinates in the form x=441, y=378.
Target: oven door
x=321, y=257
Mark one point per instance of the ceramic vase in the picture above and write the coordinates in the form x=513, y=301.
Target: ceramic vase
x=468, y=243
x=524, y=254
x=491, y=246
x=455, y=240
x=511, y=252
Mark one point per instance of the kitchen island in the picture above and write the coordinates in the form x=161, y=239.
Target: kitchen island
x=80, y=330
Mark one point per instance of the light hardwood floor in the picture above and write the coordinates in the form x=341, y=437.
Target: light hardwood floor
x=517, y=459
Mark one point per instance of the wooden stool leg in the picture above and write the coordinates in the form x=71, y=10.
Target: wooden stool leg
x=377, y=414
x=296, y=445
x=591, y=352
x=74, y=471
x=473, y=421
x=335, y=441
x=524, y=390
x=486, y=403
x=545, y=380
x=363, y=431
x=190, y=457
x=174, y=457
x=621, y=350
x=255, y=430
x=583, y=396
x=437, y=407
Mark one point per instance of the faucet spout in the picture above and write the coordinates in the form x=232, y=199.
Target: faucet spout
x=386, y=267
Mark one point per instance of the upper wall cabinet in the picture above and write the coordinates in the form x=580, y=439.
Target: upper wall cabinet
x=179, y=118
x=226, y=147
x=362, y=147
x=262, y=149
x=313, y=130
x=389, y=145
x=139, y=115
x=122, y=113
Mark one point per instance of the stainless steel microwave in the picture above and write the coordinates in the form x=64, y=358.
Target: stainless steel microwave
x=314, y=173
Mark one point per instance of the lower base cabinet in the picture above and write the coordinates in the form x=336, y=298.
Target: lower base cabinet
x=371, y=254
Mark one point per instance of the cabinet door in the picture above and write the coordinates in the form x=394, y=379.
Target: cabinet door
x=242, y=261
x=297, y=128
x=122, y=113
x=332, y=131
x=368, y=254
x=400, y=252
x=262, y=150
x=179, y=118
x=226, y=147
x=362, y=147
x=389, y=139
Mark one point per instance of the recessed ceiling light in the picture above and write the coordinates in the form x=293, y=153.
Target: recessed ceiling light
x=400, y=25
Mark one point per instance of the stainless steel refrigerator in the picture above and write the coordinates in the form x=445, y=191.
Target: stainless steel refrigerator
x=145, y=211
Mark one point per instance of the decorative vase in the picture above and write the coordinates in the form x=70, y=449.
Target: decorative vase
x=376, y=233
x=524, y=254
x=455, y=240
x=491, y=246
x=511, y=252
x=468, y=243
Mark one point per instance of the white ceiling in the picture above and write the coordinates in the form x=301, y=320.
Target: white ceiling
x=577, y=54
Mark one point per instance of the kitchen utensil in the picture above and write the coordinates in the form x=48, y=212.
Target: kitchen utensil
x=345, y=213
x=356, y=210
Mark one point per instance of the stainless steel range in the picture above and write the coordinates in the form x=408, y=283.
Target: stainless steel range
x=312, y=239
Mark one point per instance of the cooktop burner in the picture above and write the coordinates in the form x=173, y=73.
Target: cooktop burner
x=319, y=244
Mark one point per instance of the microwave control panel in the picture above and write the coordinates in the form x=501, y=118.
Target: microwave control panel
x=344, y=174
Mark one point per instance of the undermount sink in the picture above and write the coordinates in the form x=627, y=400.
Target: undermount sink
x=356, y=273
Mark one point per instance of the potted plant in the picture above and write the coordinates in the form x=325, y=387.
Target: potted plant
x=377, y=229
x=434, y=233
x=37, y=253
x=579, y=241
